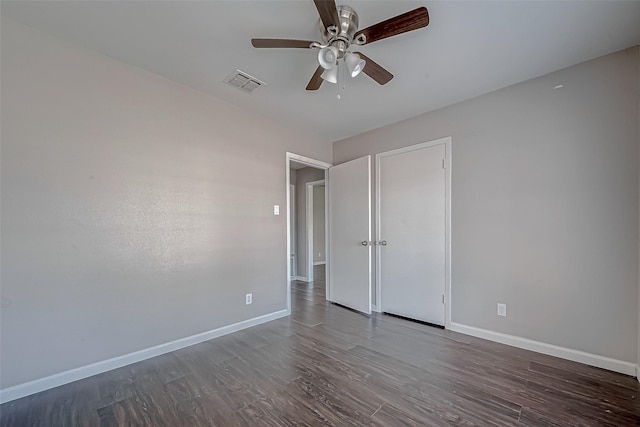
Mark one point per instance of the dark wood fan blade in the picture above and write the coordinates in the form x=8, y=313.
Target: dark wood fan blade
x=328, y=12
x=413, y=20
x=316, y=80
x=280, y=43
x=375, y=70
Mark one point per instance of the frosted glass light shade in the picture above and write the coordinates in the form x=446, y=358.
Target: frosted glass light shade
x=354, y=63
x=327, y=57
x=330, y=75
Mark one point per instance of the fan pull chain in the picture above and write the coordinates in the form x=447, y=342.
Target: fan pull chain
x=341, y=83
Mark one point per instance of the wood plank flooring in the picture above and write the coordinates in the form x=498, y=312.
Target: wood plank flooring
x=326, y=365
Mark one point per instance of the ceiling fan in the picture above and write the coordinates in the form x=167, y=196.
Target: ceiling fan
x=339, y=32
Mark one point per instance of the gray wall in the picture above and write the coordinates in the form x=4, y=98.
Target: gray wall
x=318, y=224
x=125, y=223
x=544, y=204
x=303, y=176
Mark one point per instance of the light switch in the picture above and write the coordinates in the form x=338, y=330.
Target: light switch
x=276, y=210
x=502, y=309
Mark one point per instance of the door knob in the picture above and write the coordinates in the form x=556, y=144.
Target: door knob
x=365, y=243
x=383, y=243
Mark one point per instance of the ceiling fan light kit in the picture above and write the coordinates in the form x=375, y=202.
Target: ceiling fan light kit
x=338, y=32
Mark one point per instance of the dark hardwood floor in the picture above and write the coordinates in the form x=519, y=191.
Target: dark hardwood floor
x=326, y=365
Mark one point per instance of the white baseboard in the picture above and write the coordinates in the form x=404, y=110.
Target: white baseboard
x=320, y=263
x=36, y=386
x=604, y=362
x=301, y=279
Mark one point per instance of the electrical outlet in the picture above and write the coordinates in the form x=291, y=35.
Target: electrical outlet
x=319, y=254
x=276, y=209
x=248, y=299
x=502, y=309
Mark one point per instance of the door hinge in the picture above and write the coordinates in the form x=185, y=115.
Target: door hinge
x=443, y=298
x=444, y=164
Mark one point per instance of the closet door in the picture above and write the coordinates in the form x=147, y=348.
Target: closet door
x=411, y=232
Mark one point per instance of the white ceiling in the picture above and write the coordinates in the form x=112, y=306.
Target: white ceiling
x=469, y=48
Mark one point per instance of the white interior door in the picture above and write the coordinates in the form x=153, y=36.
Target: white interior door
x=349, y=189
x=411, y=203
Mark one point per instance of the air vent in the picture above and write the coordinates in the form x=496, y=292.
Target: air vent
x=243, y=81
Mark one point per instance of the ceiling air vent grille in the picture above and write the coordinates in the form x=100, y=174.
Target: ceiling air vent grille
x=243, y=81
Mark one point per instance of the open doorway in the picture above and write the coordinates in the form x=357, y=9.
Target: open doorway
x=306, y=228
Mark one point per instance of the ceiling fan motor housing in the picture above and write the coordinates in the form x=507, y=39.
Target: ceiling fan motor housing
x=342, y=35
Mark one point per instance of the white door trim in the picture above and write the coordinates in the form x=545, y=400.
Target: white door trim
x=293, y=256
x=309, y=162
x=447, y=143
x=309, y=210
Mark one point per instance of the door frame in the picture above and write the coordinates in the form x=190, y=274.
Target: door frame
x=293, y=262
x=447, y=202
x=315, y=164
x=309, y=225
